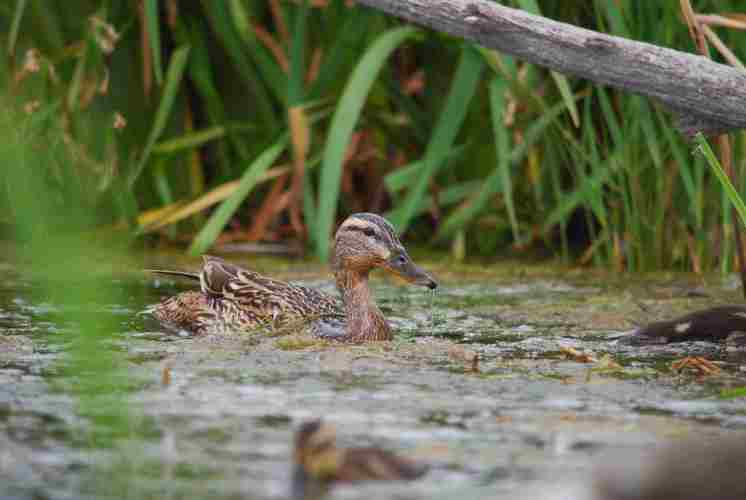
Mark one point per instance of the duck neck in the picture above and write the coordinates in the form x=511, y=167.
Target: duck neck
x=365, y=321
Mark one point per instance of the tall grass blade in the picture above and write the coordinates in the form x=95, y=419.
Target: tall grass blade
x=596, y=203
x=566, y=92
x=73, y=92
x=273, y=77
x=251, y=176
x=300, y=131
x=616, y=20
x=309, y=209
x=563, y=85
x=155, y=219
x=683, y=163
x=464, y=86
x=189, y=141
x=406, y=175
x=234, y=46
x=203, y=74
x=722, y=177
x=241, y=20
x=450, y=195
x=343, y=123
x=502, y=146
x=296, y=74
x=152, y=24
x=457, y=220
x=170, y=90
x=15, y=26
x=590, y=185
x=611, y=120
x=342, y=52
x=536, y=131
x=162, y=185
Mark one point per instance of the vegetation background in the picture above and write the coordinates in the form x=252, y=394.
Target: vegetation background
x=205, y=122
x=198, y=123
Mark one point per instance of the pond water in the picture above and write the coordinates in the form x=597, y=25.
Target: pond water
x=214, y=417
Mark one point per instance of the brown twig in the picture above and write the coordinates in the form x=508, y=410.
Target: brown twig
x=273, y=46
x=700, y=365
x=300, y=137
x=716, y=42
x=270, y=207
x=716, y=20
x=279, y=20
x=695, y=31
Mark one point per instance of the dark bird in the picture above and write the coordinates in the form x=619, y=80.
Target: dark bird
x=234, y=299
x=319, y=463
x=716, y=323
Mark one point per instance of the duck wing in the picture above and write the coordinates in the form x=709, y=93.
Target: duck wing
x=265, y=298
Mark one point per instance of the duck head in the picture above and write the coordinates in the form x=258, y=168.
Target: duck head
x=367, y=241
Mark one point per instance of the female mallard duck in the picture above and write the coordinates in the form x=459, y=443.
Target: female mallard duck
x=319, y=463
x=233, y=298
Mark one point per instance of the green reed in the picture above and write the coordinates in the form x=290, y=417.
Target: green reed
x=73, y=270
x=224, y=101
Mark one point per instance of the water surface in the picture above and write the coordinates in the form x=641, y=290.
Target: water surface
x=529, y=424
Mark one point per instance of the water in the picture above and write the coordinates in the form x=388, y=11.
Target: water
x=530, y=424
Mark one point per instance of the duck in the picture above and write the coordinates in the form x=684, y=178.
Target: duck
x=232, y=298
x=320, y=464
x=725, y=322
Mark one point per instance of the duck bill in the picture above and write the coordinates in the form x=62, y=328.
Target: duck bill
x=402, y=266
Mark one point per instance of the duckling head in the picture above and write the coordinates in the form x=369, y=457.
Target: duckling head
x=367, y=241
x=316, y=449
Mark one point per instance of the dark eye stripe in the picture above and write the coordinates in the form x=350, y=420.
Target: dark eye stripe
x=367, y=231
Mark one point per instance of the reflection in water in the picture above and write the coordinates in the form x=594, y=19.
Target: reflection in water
x=530, y=424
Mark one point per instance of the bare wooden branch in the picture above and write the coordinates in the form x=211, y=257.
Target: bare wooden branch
x=708, y=97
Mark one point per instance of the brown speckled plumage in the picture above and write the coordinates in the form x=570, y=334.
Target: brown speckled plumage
x=185, y=311
x=319, y=463
x=233, y=298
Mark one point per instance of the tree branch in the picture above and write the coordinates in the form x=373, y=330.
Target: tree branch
x=707, y=96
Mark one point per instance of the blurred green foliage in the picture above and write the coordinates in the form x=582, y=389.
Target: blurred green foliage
x=60, y=251
x=271, y=119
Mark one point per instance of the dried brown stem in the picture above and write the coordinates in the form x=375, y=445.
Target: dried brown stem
x=716, y=42
x=716, y=20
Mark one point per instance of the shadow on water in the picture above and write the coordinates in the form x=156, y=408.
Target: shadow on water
x=551, y=392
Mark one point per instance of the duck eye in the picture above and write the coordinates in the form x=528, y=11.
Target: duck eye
x=401, y=259
x=369, y=232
